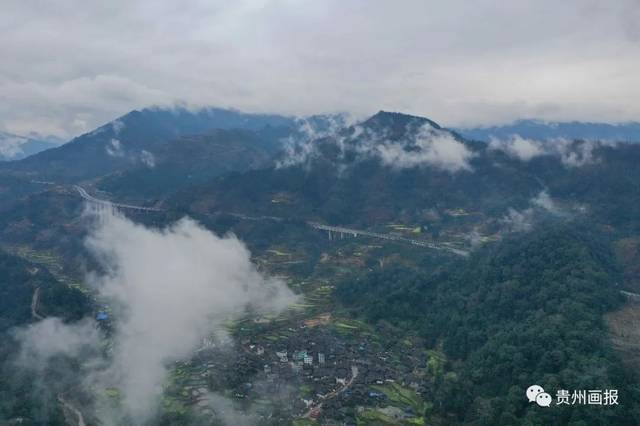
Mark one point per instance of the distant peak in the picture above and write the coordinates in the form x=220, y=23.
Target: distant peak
x=393, y=119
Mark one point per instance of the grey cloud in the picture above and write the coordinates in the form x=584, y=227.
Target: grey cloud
x=69, y=107
x=75, y=65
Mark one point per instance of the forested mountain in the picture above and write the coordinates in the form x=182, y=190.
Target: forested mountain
x=345, y=177
x=190, y=160
x=390, y=167
x=133, y=139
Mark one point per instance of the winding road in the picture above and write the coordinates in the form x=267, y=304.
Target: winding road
x=72, y=409
x=35, y=301
x=316, y=225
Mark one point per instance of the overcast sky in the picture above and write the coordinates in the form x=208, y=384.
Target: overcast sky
x=68, y=66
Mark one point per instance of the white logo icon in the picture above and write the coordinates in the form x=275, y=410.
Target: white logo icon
x=543, y=399
x=533, y=391
x=537, y=394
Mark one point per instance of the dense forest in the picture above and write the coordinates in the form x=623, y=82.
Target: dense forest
x=527, y=311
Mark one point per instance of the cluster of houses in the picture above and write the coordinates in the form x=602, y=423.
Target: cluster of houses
x=312, y=370
x=322, y=362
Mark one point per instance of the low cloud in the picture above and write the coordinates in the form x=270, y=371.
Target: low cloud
x=571, y=153
x=423, y=146
x=167, y=290
x=576, y=154
x=430, y=147
x=148, y=159
x=51, y=337
x=11, y=146
x=117, y=126
x=544, y=201
x=300, y=147
x=518, y=147
x=114, y=148
x=524, y=220
x=518, y=221
x=227, y=413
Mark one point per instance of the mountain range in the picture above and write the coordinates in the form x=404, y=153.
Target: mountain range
x=544, y=130
x=510, y=261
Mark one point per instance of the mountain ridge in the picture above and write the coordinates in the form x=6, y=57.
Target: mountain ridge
x=543, y=130
x=121, y=143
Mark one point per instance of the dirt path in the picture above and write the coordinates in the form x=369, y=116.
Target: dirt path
x=72, y=409
x=35, y=301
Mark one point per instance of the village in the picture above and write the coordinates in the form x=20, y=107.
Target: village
x=319, y=370
x=313, y=363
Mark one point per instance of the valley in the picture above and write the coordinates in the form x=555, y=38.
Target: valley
x=302, y=213
x=422, y=295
